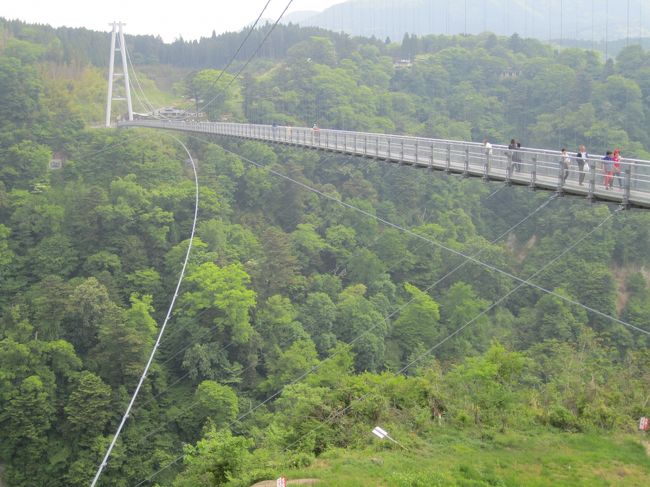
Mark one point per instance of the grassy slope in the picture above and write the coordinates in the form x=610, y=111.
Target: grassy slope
x=511, y=459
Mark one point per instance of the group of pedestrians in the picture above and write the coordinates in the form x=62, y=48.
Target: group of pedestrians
x=611, y=167
x=611, y=164
x=582, y=161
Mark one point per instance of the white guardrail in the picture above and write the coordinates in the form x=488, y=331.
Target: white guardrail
x=535, y=168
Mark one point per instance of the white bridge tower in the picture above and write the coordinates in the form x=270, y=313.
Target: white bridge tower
x=118, y=36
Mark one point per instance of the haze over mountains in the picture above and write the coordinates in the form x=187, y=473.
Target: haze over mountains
x=587, y=20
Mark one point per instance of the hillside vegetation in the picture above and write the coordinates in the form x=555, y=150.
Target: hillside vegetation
x=303, y=323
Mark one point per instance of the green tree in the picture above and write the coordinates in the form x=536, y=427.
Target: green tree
x=6, y=254
x=25, y=164
x=485, y=387
x=318, y=315
x=27, y=418
x=89, y=309
x=357, y=320
x=223, y=292
x=88, y=408
x=215, y=460
x=216, y=403
x=220, y=90
x=123, y=347
x=418, y=322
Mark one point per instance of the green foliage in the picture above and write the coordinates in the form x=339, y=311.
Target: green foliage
x=357, y=319
x=25, y=164
x=87, y=410
x=417, y=324
x=215, y=460
x=219, y=89
x=123, y=347
x=301, y=300
x=223, y=291
x=216, y=403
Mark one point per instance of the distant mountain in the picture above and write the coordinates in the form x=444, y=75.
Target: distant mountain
x=298, y=17
x=587, y=20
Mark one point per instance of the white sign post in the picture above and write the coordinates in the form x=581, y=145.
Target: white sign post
x=382, y=434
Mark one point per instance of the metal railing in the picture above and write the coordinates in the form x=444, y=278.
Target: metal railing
x=536, y=168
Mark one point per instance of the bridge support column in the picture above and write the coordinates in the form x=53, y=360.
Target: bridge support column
x=466, y=169
x=118, y=35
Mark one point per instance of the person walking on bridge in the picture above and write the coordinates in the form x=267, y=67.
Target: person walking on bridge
x=583, y=165
x=518, y=157
x=515, y=155
x=487, y=147
x=608, y=169
x=566, y=163
x=617, y=168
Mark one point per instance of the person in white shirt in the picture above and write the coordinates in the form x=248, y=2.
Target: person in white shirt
x=487, y=147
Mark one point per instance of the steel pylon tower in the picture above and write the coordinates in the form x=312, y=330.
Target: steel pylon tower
x=117, y=36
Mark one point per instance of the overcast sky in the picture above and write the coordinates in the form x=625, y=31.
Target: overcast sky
x=169, y=19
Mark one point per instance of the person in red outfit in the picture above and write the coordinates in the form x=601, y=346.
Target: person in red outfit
x=608, y=169
x=618, y=172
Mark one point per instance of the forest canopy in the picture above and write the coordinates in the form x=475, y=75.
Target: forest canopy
x=302, y=323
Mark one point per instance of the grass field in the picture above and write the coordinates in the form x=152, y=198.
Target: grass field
x=511, y=459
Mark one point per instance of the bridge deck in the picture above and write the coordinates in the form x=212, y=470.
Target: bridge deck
x=537, y=168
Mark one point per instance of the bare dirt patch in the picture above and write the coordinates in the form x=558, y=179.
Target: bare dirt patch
x=620, y=275
x=518, y=249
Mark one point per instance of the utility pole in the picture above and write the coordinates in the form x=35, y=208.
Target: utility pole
x=117, y=36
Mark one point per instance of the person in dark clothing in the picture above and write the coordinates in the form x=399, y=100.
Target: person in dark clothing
x=515, y=154
x=566, y=162
x=512, y=147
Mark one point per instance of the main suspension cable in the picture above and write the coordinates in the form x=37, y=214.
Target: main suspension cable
x=214, y=98
x=162, y=328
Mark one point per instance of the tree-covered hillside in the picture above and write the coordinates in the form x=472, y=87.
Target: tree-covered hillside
x=303, y=323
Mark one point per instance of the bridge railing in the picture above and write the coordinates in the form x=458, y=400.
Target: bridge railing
x=533, y=167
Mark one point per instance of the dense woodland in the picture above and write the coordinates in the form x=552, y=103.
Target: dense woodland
x=303, y=323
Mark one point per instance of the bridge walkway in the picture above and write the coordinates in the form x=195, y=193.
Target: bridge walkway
x=536, y=169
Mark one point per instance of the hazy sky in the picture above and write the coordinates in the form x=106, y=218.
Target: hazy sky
x=169, y=19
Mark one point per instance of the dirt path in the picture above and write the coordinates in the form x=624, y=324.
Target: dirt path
x=271, y=483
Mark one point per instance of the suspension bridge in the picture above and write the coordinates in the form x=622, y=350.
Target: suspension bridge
x=534, y=168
